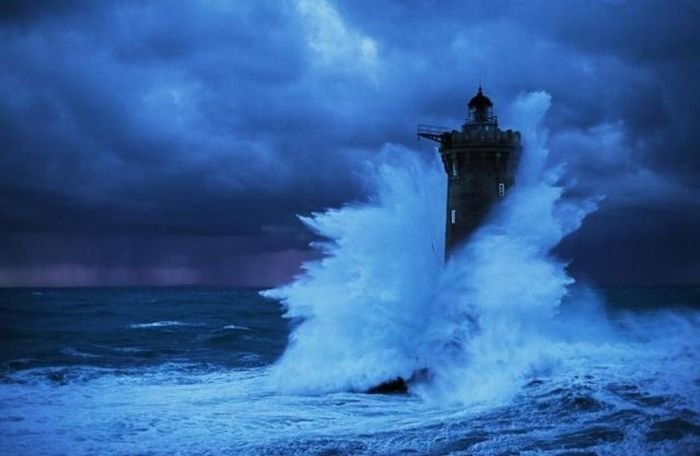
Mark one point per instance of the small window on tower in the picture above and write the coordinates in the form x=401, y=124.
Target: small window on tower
x=453, y=216
x=454, y=169
x=501, y=190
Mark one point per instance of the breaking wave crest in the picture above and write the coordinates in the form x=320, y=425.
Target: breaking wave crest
x=382, y=302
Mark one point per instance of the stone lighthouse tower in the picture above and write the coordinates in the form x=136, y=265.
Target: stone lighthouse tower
x=480, y=161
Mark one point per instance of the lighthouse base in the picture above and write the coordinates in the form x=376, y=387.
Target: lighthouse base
x=399, y=385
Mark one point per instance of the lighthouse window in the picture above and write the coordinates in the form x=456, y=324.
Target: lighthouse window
x=454, y=169
x=501, y=190
x=453, y=216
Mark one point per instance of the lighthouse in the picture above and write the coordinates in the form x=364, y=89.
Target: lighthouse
x=480, y=161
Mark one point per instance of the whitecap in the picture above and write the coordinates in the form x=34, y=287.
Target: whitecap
x=237, y=327
x=160, y=324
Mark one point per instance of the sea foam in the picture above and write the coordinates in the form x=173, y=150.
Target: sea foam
x=382, y=302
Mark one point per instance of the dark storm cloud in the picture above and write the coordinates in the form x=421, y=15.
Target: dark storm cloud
x=157, y=115
x=127, y=124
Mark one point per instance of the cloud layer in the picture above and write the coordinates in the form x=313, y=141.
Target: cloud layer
x=143, y=139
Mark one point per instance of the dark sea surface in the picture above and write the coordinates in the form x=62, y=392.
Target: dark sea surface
x=184, y=371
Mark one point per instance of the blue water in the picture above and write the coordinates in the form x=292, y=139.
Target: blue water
x=137, y=328
x=185, y=371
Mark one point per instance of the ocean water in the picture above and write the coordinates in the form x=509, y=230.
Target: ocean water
x=187, y=371
x=523, y=358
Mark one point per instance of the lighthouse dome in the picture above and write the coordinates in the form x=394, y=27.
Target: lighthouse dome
x=480, y=101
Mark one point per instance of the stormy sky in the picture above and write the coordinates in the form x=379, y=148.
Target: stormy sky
x=174, y=142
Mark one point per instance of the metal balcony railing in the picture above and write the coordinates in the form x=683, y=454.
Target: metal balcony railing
x=432, y=132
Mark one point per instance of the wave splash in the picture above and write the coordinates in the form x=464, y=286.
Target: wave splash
x=383, y=303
